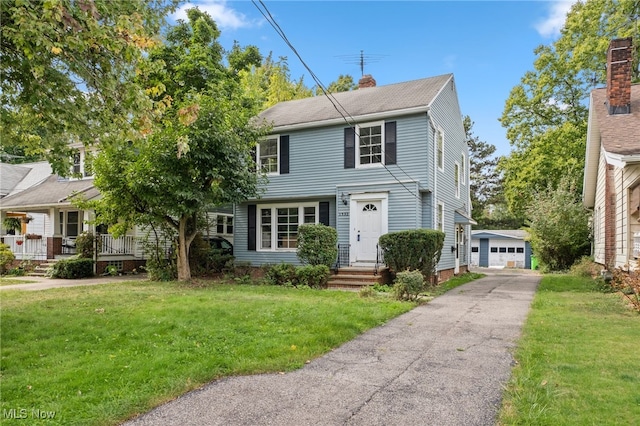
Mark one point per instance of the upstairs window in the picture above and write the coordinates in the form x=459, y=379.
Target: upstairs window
x=76, y=164
x=440, y=218
x=463, y=165
x=370, y=145
x=440, y=149
x=456, y=179
x=268, y=156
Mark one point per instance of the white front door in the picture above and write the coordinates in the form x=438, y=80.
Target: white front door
x=459, y=247
x=369, y=229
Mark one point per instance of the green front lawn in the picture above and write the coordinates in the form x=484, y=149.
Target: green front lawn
x=578, y=359
x=101, y=354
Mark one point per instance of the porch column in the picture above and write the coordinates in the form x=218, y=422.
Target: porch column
x=54, y=217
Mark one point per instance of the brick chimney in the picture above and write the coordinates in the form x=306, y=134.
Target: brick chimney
x=366, y=81
x=619, y=76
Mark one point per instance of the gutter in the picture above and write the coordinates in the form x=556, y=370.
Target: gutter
x=366, y=117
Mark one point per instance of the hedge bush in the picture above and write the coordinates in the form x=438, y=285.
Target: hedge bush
x=314, y=276
x=73, y=268
x=6, y=258
x=408, y=285
x=85, y=244
x=418, y=249
x=281, y=274
x=317, y=244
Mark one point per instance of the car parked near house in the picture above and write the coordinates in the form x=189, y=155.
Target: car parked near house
x=220, y=243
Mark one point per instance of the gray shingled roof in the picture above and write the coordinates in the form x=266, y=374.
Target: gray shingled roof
x=361, y=102
x=510, y=233
x=620, y=133
x=51, y=192
x=10, y=176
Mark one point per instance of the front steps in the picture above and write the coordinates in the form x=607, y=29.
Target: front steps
x=357, y=277
x=42, y=269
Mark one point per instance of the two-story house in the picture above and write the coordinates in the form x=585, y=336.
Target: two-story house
x=612, y=167
x=370, y=161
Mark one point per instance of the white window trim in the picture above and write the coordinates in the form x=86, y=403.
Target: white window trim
x=274, y=223
x=382, y=142
x=439, y=226
x=463, y=170
x=440, y=165
x=456, y=166
x=259, y=164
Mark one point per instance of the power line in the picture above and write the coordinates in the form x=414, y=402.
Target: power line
x=336, y=104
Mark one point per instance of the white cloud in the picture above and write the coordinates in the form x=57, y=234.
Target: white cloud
x=552, y=24
x=225, y=17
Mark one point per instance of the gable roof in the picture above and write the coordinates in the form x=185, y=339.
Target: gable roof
x=618, y=135
x=365, y=103
x=18, y=177
x=51, y=192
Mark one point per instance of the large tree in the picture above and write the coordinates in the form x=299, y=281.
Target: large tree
x=198, y=153
x=67, y=71
x=546, y=114
x=485, y=181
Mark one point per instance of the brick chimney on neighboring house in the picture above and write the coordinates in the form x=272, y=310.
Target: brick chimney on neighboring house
x=619, y=76
x=366, y=81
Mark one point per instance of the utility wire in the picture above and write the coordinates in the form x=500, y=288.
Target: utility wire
x=336, y=104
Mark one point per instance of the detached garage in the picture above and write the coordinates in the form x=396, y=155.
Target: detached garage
x=500, y=249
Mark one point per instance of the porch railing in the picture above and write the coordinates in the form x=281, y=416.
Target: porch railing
x=343, y=256
x=379, y=258
x=26, y=248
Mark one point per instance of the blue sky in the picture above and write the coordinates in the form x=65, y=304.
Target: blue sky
x=487, y=45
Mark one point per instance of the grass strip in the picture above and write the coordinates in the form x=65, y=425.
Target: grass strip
x=577, y=359
x=98, y=355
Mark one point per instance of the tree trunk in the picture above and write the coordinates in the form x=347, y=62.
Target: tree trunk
x=184, y=242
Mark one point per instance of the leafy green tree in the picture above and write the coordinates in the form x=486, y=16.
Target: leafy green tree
x=269, y=82
x=199, y=152
x=68, y=72
x=559, y=226
x=546, y=113
x=485, y=181
x=344, y=83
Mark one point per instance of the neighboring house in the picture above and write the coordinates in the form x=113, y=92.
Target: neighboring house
x=366, y=162
x=612, y=169
x=56, y=223
x=500, y=249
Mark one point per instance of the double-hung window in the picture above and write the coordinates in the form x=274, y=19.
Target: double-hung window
x=268, y=155
x=456, y=179
x=440, y=149
x=440, y=217
x=279, y=224
x=371, y=141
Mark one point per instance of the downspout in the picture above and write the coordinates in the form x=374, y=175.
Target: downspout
x=434, y=203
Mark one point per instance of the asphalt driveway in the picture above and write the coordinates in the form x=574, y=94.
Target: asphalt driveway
x=443, y=363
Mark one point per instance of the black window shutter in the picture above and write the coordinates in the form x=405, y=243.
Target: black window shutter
x=390, y=142
x=349, y=148
x=251, y=237
x=323, y=213
x=284, y=154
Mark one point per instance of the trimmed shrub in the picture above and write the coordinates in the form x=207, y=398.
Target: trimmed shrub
x=73, y=268
x=317, y=244
x=6, y=257
x=281, y=274
x=408, y=285
x=314, y=276
x=418, y=249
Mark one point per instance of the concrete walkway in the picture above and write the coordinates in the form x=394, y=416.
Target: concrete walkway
x=443, y=363
x=44, y=283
